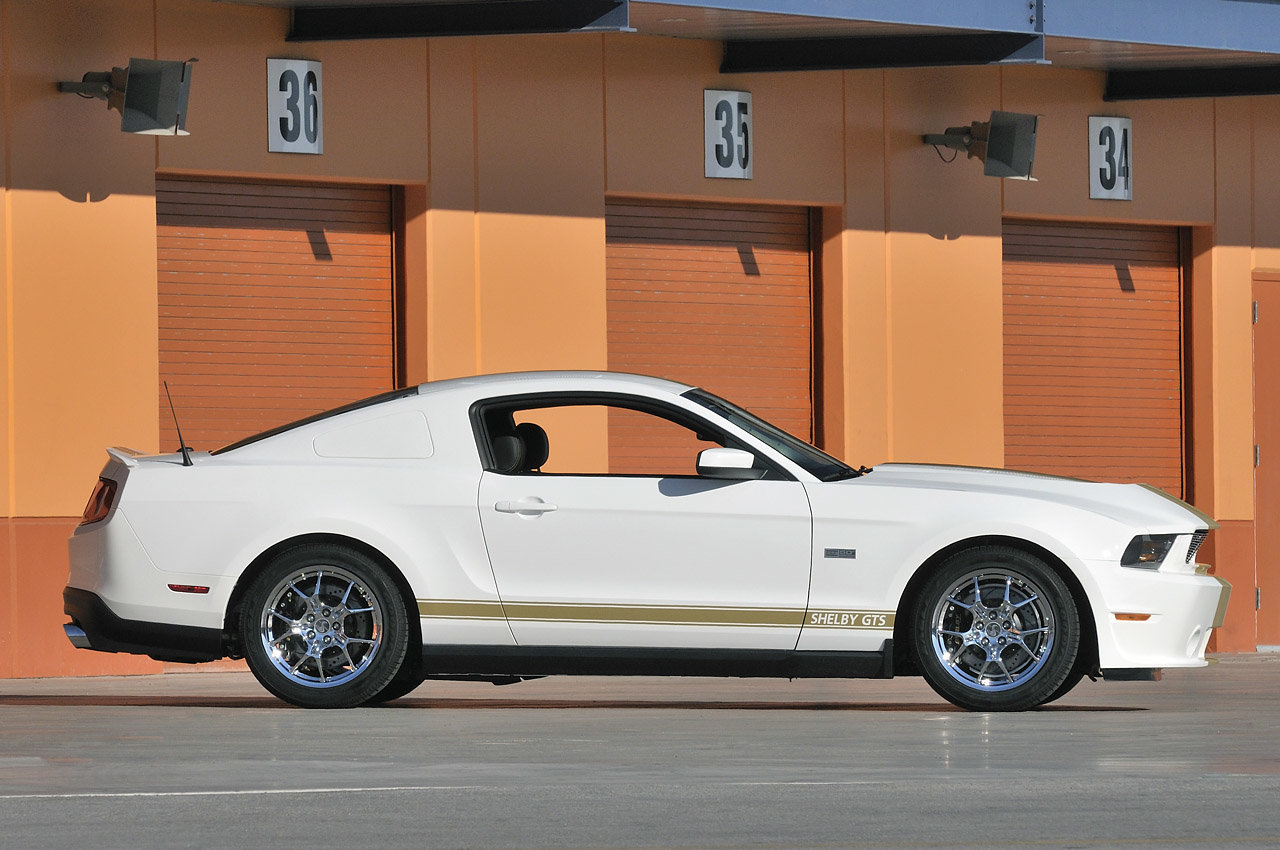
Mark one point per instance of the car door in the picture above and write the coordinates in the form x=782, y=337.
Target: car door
x=653, y=557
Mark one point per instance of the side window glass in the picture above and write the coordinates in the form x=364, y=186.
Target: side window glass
x=643, y=444
x=591, y=439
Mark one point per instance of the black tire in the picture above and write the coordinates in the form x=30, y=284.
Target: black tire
x=996, y=629
x=1073, y=679
x=409, y=678
x=324, y=627
x=1084, y=663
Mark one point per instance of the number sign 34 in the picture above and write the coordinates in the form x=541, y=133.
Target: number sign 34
x=1110, y=158
x=294, y=106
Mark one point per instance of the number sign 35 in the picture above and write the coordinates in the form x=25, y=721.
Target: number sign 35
x=727, y=135
x=294, y=107
x=1110, y=158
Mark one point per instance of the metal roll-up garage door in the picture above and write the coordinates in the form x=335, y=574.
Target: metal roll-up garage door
x=275, y=302
x=1093, y=384
x=719, y=296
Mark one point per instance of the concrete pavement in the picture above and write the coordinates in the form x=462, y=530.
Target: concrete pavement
x=212, y=760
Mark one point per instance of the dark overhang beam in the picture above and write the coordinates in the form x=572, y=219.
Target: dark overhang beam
x=1192, y=82
x=816, y=54
x=505, y=17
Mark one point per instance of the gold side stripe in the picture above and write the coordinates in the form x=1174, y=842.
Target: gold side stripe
x=461, y=609
x=469, y=609
x=657, y=614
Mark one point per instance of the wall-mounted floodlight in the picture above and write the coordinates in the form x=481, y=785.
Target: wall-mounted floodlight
x=1006, y=144
x=150, y=95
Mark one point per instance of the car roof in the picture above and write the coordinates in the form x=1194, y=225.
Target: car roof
x=482, y=386
x=551, y=381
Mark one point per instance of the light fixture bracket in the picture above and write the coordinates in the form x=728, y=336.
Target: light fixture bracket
x=150, y=95
x=1006, y=143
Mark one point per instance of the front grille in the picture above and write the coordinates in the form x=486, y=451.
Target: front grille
x=1196, y=540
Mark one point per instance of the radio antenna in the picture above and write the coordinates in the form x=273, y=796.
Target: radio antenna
x=182, y=444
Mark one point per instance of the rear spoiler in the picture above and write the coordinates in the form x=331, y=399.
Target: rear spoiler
x=128, y=457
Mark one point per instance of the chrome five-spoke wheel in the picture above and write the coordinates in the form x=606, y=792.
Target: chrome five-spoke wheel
x=996, y=629
x=321, y=626
x=324, y=627
x=993, y=629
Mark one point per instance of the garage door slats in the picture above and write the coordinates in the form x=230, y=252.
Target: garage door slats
x=1093, y=352
x=719, y=296
x=275, y=302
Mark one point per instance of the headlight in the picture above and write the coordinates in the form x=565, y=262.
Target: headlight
x=1147, y=551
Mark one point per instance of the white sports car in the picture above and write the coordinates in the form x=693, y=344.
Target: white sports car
x=507, y=527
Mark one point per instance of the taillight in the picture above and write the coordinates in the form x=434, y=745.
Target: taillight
x=100, y=501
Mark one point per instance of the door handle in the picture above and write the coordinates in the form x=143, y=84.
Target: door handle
x=528, y=505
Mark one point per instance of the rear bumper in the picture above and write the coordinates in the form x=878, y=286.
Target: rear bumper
x=95, y=626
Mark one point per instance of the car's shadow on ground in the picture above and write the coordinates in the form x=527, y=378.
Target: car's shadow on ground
x=421, y=704
x=717, y=705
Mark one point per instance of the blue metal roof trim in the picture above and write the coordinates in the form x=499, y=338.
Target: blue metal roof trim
x=1245, y=25
x=1236, y=25
x=986, y=16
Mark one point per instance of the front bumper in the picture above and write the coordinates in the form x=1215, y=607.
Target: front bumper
x=95, y=626
x=1158, y=619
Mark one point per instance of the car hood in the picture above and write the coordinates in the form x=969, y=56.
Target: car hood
x=1135, y=504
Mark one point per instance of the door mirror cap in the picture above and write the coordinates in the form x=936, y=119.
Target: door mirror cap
x=734, y=464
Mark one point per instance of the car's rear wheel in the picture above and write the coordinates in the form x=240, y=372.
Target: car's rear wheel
x=996, y=629
x=324, y=627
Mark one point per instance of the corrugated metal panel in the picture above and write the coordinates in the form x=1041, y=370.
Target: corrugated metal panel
x=1093, y=352
x=715, y=296
x=275, y=302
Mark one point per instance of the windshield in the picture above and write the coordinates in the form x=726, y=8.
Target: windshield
x=817, y=463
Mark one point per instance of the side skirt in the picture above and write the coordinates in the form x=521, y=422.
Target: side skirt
x=526, y=661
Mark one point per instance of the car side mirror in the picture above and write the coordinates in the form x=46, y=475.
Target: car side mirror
x=734, y=464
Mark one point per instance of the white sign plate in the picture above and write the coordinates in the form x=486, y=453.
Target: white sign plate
x=295, y=111
x=728, y=136
x=1110, y=158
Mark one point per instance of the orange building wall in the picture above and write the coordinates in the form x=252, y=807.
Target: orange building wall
x=449, y=228
x=540, y=192
x=79, y=303
x=8, y=576
x=859, y=254
x=1232, y=339
x=1264, y=155
x=80, y=277
x=653, y=130
x=6, y=275
x=375, y=117
x=946, y=369
x=1173, y=140
x=506, y=149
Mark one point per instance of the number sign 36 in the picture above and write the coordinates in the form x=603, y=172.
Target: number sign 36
x=294, y=107
x=727, y=136
x=1110, y=158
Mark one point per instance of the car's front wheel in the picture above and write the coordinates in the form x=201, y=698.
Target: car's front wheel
x=324, y=627
x=996, y=629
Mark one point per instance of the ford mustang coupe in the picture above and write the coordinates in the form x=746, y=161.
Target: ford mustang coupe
x=507, y=527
